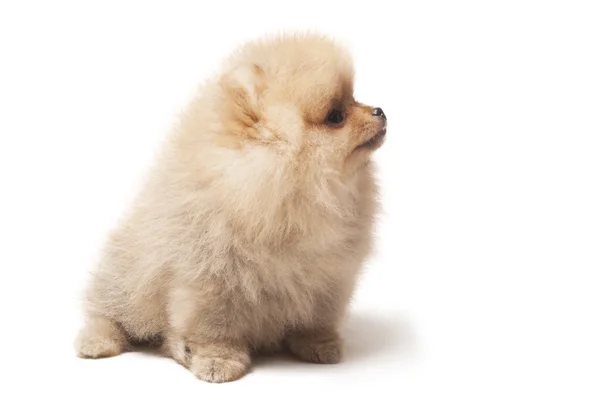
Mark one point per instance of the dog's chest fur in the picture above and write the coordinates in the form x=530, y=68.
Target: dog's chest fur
x=303, y=281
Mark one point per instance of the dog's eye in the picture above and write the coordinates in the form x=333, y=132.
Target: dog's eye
x=335, y=117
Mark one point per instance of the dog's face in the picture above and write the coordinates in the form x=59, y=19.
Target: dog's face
x=296, y=96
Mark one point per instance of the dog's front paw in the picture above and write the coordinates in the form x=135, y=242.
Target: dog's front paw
x=217, y=370
x=321, y=349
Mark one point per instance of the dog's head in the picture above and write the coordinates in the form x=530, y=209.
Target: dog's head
x=295, y=96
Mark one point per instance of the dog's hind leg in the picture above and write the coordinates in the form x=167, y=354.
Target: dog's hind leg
x=100, y=337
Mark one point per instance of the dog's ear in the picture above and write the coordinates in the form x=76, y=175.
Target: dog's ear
x=243, y=86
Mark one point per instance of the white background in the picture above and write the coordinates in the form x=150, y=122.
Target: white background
x=486, y=280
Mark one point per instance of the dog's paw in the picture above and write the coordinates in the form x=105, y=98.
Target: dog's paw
x=318, y=350
x=100, y=338
x=217, y=370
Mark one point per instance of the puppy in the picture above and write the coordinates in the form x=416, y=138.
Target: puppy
x=251, y=229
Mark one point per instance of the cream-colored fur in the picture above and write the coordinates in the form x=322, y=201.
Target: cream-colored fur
x=252, y=227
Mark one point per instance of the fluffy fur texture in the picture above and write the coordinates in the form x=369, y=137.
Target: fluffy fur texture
x=253, y=225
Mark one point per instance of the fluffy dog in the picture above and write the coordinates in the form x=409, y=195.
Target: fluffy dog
x=251, y=228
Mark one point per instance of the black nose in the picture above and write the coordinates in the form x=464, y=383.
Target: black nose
x=378, y=112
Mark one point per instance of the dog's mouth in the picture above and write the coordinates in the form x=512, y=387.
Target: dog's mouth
x=374, y=142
